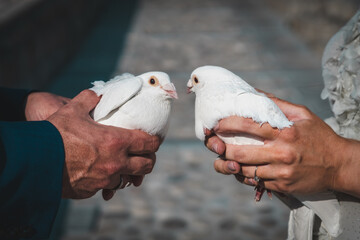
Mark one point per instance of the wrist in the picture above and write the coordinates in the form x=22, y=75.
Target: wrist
x=347, y=177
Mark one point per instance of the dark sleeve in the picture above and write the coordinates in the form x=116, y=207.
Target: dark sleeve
x=12, y=104
x=31, y=165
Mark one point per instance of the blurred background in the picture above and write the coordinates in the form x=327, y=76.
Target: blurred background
x=275, y=45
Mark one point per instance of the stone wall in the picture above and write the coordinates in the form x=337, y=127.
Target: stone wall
x=315, y=21
x=37, y=37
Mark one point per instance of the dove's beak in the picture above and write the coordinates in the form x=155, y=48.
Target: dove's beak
x=170, y=90
x=189, y=86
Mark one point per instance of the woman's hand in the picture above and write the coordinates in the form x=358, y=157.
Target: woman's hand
x=306, y=158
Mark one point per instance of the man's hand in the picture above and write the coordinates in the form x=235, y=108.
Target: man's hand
x=309, y=157
x=40, y=105
x=96, y=156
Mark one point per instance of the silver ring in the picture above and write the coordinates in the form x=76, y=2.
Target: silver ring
x=256, y=178
x=118, y=186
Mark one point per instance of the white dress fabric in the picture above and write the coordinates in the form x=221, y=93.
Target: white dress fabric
x=341, y=74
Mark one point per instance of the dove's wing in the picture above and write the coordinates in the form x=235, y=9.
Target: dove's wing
x=115, y=94
x=261, y=109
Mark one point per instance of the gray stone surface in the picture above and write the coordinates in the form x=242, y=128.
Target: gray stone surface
x=184, y=198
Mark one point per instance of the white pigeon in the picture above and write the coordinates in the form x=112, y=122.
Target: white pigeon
x=136, y=102
x=220, y=94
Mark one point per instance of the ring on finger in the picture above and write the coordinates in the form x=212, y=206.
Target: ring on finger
x=256, y=178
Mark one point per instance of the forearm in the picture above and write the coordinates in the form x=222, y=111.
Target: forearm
x=347, y=179
x=31, y=165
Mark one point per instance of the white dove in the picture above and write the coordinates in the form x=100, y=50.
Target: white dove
x=220, y=94
x=136, y=102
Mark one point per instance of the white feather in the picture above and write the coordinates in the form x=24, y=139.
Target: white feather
x=133, y=103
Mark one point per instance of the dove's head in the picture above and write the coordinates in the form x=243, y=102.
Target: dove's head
x=207, y=75
x=159, y=83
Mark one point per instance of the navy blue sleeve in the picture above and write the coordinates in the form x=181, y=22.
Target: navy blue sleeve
x=31, y=165
x=12, y=104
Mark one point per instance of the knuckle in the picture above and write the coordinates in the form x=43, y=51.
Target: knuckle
x=111, y=169
x=287, y=156
x=291, y=134
x=286, y=173
x=112, y=143
x=103, y=183
x=234, y=154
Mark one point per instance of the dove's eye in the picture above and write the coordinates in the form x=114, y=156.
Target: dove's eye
x=153, y=81
x=196, y=80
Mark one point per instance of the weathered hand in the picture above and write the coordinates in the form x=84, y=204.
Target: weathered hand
x=40, y=105
x=309, y=157
x=97, y=155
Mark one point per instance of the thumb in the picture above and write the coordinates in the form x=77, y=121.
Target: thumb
x=86, y=99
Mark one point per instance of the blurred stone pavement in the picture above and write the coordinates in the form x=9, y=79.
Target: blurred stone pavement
x=184, y=198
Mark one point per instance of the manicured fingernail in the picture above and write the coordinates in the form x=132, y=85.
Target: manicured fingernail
x=231, y=166
x=215, y=147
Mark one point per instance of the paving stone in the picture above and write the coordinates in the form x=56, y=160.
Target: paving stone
x=254, y=231
x=227, y=224
x=267, y=222
x=174, y=223
x=162, y=236
x=132, y=230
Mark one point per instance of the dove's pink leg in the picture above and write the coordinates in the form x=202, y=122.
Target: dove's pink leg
x=260, y=191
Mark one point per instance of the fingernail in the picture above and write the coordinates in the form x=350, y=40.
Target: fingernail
x=128, y=184
x=215, y=147
x=231, y=166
